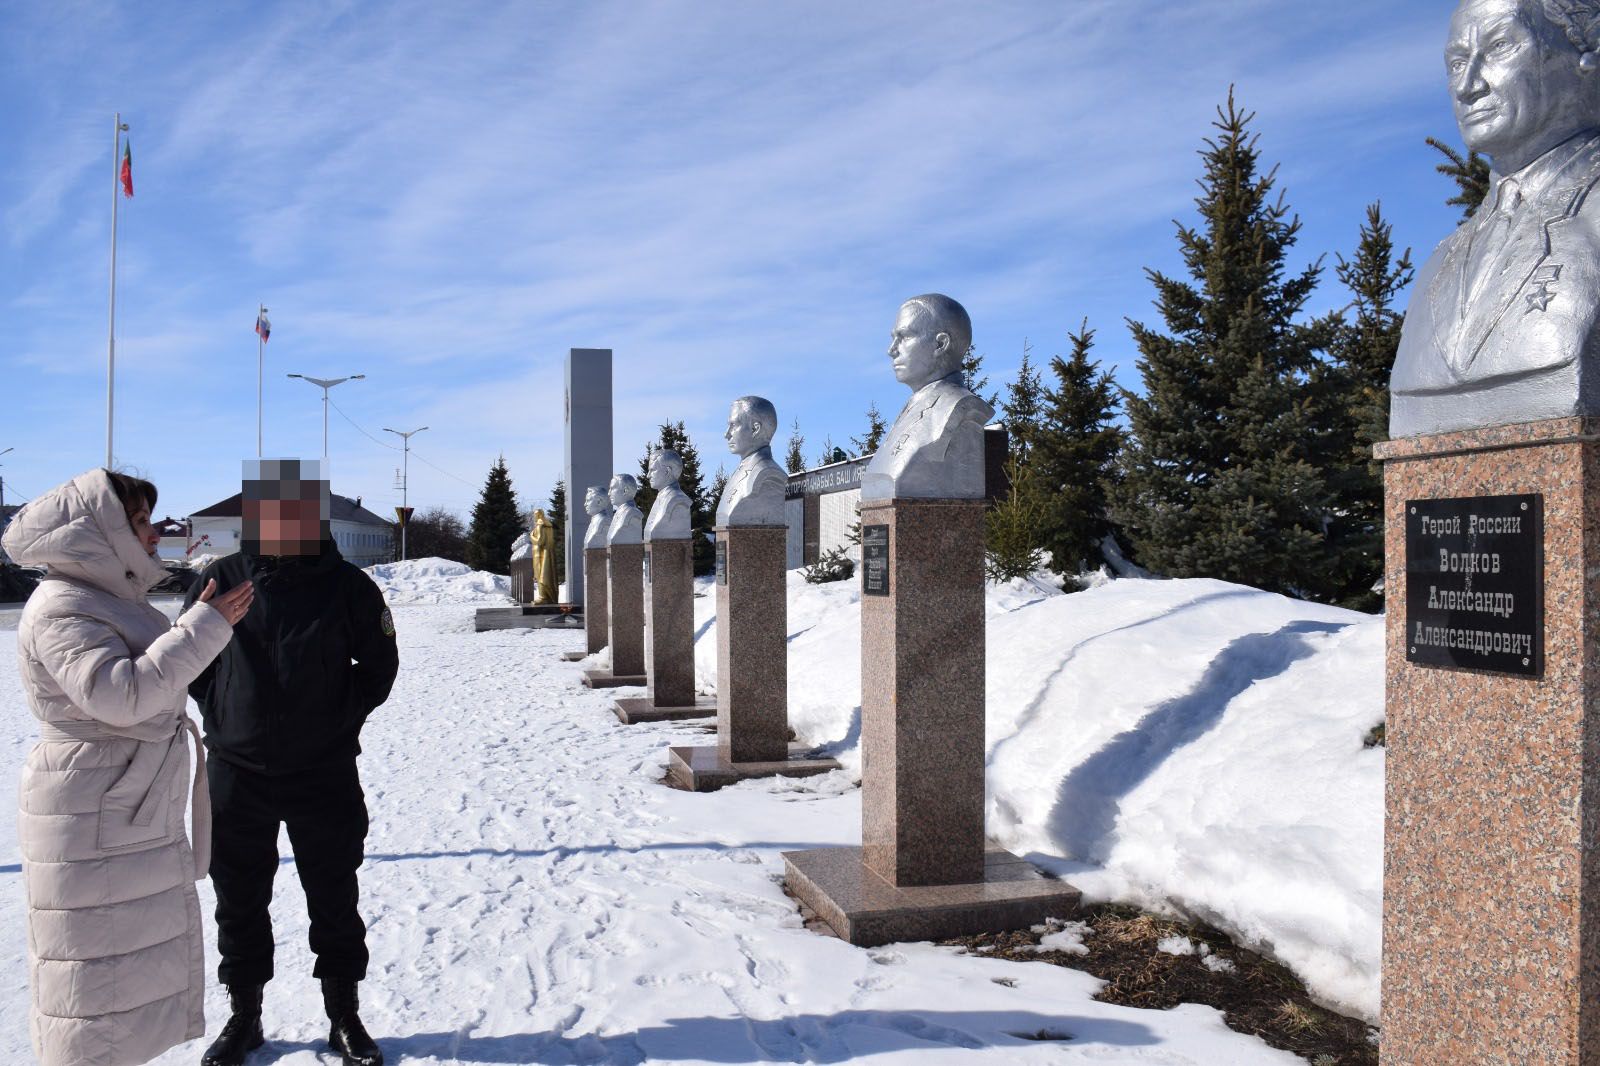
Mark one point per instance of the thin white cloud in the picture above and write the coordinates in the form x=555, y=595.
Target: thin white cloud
x=732, y=196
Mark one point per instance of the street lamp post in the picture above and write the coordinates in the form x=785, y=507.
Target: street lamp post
x=325, y=384
x=405, y=481
x=3, y=482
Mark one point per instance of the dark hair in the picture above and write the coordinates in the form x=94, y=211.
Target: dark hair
x=132, y=492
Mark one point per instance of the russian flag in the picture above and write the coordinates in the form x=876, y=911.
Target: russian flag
x=263, y=327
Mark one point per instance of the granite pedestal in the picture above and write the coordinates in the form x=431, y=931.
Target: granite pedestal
x=524, y=583
x=596, y=618
x=752, y=668
x=1491, y=911
x=625, y=618
x=668, y=638
x=924, y=869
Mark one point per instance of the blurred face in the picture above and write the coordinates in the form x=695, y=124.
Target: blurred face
x=1514, y=82
x=284, y=527
x=148, y=536
x=918, y=351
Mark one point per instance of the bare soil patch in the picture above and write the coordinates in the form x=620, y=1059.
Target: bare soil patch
x=1254, y=994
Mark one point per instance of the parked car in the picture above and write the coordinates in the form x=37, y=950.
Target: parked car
x=17, y=582
x=179, y=580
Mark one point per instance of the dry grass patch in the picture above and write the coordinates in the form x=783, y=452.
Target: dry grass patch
x=1254, y=994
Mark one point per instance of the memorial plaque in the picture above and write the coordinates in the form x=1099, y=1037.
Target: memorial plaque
x=1475, y=583
x=647, y=568
x=875, y=560
x=722, y=561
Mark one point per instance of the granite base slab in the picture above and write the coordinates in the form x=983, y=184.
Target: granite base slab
x=606, y=679
x=631, y=710
x=706, y=769
x=863, y=908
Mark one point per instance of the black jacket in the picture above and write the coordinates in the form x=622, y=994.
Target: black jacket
x=309, y=661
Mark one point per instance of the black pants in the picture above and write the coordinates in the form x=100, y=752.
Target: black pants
x=326, y=814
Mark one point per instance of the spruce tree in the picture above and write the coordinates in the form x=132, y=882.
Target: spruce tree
x=718, y=483
x=1353, y=408
x=1013, y=527
x=1022, y=405
x=795, y=461
x=1073, y=457
x=702, y=508
x=974, y=378
x=830, y=454
x=496, y=523
x=868, y=442
x=1218, y=480
x=647, y=493
x=1469, y=172
x=558, y=517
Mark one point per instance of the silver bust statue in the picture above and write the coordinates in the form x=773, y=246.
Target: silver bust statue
x=934, y=450
x=669, y=515
x=754, y=493
x=1502, y=322
x=627, y=521
x=598, y=508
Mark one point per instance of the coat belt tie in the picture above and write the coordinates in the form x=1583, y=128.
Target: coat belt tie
x=199, y=794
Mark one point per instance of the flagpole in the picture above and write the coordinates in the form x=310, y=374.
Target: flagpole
x=111, y=338
x=261, y=310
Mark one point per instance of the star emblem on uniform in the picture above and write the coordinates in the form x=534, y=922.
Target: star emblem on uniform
x=1539, y=299
x=1543, y=292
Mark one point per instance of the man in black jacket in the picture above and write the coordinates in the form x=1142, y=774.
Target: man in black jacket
x=283, y=707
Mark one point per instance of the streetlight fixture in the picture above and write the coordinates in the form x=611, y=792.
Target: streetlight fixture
x=405, y=482
x=325, y=384
x=3, y=482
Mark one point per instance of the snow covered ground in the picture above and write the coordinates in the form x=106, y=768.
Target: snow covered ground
x=534, y=894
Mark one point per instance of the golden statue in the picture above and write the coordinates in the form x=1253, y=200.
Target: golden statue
x=544, y=558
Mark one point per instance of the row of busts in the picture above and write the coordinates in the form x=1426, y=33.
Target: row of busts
x=753, y=496
x=934, y=449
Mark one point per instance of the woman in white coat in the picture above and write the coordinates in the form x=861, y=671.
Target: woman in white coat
x=114, y=935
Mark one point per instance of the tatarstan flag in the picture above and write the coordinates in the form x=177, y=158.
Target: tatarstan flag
x=127, y=170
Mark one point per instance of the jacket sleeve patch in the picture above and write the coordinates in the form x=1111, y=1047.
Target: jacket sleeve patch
x=387, y=623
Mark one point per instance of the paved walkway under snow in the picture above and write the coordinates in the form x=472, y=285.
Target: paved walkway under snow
x=535, y=895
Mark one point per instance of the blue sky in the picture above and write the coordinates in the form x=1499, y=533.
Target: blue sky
x=735, y=197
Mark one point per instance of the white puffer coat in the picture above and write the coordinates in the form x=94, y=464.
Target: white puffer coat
x=114, y=938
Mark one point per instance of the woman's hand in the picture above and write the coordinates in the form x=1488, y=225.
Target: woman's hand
x=231, y=604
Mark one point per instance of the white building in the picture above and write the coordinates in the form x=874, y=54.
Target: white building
x=362, y=537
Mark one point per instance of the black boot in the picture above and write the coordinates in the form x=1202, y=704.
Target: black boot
x=241, y=1034
x=347, y=1035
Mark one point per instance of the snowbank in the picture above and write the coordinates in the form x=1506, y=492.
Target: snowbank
x=1190, y=746
x=439, y=581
